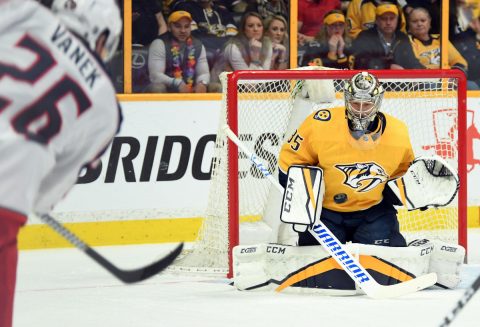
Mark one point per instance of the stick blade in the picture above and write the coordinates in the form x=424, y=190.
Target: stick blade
x=160, y=265
x=408, y=287
x=140, y=274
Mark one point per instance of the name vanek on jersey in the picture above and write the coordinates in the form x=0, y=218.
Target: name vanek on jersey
x=354, y=178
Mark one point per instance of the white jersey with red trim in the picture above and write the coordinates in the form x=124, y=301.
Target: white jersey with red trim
x=58, y=107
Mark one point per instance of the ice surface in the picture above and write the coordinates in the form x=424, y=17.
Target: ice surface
x=65, y=288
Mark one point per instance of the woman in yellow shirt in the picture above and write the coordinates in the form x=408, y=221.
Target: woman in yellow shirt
x=426, y=46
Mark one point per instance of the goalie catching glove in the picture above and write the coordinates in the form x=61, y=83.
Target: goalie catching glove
x=428, y=182
x=303, y=197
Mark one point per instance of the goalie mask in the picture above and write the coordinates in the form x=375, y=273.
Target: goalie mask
x=91, y=19
x=363, y=98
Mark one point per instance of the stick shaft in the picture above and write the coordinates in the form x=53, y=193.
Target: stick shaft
x=466, y=297
x=126, y=276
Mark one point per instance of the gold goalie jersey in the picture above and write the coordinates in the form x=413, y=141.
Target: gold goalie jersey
x=354, y=177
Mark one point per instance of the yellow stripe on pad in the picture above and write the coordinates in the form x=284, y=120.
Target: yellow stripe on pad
x=372, y=263
x=368, y=262
x=401, y=188
x=308, y=184
x=316, y=269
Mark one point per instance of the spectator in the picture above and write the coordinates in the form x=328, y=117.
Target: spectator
x=177, y=62
x=465, y=14
x=208, y=18
x=236, y=6
x=426, y=46
x=214, y=20
x=465, y=36
x=269, y=8
x=249, y=49
x=309, y=12
x=432, y=6
x=186, y=5
x=265, y=8
x=383, y=46
x=276, y=29
x=361, y=15
x=331, y=47
x=147, y=21
x=212, y=24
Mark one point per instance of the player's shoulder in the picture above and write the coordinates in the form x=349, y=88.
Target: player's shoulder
x=15, y=14
x=392, y=119
x=327, y=116
x=394, y=124
x=323, y=120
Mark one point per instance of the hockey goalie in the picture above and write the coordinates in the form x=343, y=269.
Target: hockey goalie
x=346, y=169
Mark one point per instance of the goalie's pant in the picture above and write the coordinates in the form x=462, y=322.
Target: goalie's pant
x=377, y=225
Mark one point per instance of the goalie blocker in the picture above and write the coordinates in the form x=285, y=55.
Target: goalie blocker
x=310, y=269
x=303, y=197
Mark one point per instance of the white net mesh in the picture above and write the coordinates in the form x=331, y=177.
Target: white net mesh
x=269, y=110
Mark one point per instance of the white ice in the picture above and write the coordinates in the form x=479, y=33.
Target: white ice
x=65, y=288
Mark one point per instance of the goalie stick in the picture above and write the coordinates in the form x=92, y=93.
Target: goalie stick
x=126, y=276
x=467, y=295
x=338, y=251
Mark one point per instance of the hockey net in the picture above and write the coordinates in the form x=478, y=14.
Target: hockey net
x=264, y=107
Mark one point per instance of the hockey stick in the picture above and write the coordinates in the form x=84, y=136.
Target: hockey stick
x=126, y=276
x=467, y=295
x=338, y=251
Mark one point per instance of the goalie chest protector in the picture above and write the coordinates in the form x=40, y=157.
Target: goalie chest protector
x=323, y=140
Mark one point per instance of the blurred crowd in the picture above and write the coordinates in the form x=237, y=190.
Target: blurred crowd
x=181, y=46
x=403, y=34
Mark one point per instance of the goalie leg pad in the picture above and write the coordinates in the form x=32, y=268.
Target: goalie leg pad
x=394, y=265
x=288, y=268
x=445, y=260
x=310, y=269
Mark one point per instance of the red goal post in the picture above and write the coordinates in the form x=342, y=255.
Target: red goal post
x=262, y=106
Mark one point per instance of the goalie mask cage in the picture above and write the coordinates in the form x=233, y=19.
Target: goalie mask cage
x=261, y=107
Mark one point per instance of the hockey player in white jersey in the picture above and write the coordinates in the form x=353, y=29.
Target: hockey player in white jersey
x=58, y=110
